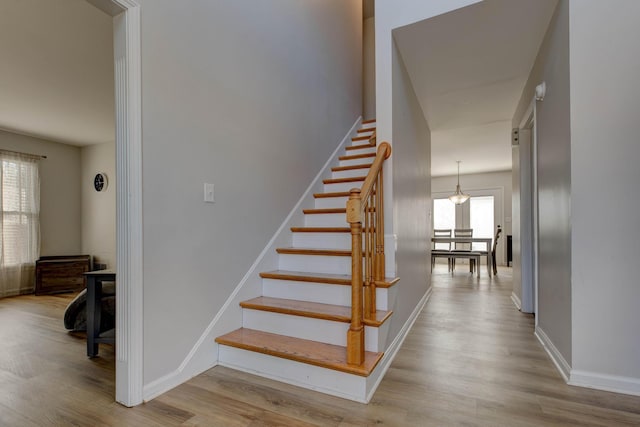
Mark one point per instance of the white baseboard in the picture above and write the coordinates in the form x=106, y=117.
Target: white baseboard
x=614, y=383
x=391, y=352
x=556, y=357
x=516, y=300
x=204, y=353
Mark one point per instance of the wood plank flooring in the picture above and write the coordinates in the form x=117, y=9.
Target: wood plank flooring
x=471, y=359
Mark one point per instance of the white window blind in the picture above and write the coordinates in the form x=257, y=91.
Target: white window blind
x=19, y=222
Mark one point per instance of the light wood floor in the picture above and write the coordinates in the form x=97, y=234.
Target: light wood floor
x=471, y=359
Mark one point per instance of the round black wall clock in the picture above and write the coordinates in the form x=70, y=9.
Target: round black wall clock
x=100, y=181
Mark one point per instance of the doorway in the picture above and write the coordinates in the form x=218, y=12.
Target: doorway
x=128, y=118
x=483, y=212
x=528, y=208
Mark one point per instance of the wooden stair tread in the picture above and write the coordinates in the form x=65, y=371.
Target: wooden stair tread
x=357, y=156
x=321, y=229
x=353, y=167
x=359, y=147
x=311, y=352
x=299, y=276
x=329, y=195
x=336, y=313
x=340, y=180
x=368, y=129
x=309, y=251
x=361, y=138
x=368, y=121
x=324, y=211
x=332, y=279
x=337, y=194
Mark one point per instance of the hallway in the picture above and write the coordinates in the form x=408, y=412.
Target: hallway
x=470, y=359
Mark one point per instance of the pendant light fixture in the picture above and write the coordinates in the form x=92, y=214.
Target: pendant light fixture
x=459, y=197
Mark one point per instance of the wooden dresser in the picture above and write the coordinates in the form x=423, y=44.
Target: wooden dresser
x=56, y=274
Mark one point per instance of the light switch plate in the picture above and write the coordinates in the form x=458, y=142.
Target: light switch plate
x=208, y=193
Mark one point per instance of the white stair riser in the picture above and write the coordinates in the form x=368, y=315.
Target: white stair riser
x=342, y=186
x=368, y=149
x=320, y=330
x=359, y=161
x=369, y=133
x=315, y=263
x=350, y=173
x=326, y=220
x=322, y=293
x=322, y=240
x=328, y=381
x=331, y=202
x=360, y=143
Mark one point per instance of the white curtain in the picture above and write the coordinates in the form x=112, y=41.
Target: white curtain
x=19, y=222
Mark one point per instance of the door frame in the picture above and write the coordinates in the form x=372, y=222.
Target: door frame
x=128, y=136
x=529, y=220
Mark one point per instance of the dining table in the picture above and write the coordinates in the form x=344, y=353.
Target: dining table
x=486, y=240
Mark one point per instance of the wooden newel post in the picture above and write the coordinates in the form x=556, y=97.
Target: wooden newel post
x=355, y=335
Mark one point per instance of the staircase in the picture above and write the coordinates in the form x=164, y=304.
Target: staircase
x=299, y=330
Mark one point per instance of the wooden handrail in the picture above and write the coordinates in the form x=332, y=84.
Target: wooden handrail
x=366, y=205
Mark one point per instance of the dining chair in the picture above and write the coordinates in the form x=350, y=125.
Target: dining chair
x=441, y=250
x=463, y=247
x=493, y=250
x=484, y=253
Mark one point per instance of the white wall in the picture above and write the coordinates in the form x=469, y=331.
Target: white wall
x=499, y=181
x=369, y=69
x=554, y=181
x=605, y=101
x=252, y=96
x=99, y=208
x=59, y=191
x=391, y=14
x=412, y=196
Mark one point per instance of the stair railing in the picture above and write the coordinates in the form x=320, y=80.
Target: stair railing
x=365, y=206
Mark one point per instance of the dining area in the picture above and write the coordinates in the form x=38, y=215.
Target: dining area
x=465, y=225
x=458, y=243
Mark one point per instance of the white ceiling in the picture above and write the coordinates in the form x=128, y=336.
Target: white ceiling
x=468, y=69
x=56, y=70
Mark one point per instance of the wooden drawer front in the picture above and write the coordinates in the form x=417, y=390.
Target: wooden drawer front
x=60, y=276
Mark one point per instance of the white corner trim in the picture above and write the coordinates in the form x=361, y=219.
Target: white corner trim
x=557, y=358
x=390, y=248
x=614, y=383
x=128, y=132
x=184, y=372
x=516, y=301
x=395, y=346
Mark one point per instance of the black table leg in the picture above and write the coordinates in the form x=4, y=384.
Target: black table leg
x=94, y=290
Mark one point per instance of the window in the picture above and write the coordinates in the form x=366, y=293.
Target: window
x=19, y=222
x=444, y=217
x=481, y=219
x=478, y=213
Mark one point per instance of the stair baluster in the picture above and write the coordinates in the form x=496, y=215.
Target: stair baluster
x=365, y=204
